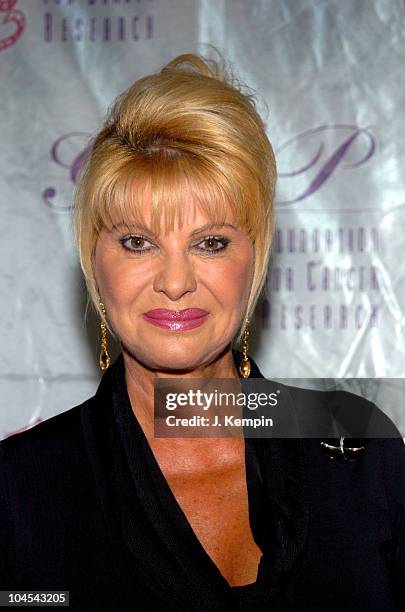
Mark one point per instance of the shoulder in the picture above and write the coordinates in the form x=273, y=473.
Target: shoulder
x=47, y=462
x=58, y=425
x=392, y=456
x=348, y=414
x=49, y=443
x=45, y=467
x=331, y=395
x=61, y=438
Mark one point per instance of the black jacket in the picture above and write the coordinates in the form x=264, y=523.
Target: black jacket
x=85, y=508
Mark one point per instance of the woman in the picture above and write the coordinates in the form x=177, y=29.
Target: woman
x=174, y=218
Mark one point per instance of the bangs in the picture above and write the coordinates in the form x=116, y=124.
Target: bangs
x=174, y=187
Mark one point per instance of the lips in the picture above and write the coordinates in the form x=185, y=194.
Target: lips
x=176, y=320
x=189, y=314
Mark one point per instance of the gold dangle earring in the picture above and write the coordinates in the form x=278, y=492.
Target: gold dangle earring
x=244, y=368
x=104, y=360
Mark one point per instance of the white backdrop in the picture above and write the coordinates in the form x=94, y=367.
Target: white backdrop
x=330, y=74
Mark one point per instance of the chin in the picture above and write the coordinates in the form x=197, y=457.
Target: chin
x=182, y=359
x=167, y=356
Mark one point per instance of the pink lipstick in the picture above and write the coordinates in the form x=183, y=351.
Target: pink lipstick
x=176, y=320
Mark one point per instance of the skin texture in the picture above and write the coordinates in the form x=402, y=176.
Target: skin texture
x=176, y=271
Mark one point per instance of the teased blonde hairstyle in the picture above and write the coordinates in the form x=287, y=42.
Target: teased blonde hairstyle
x=187, y=126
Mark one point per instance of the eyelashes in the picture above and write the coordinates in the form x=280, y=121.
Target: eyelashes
x=134, y=244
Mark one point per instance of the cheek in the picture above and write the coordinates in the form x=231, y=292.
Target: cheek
x=230, y=279
x=241, y=274
x=122, y=282
x=116, y=278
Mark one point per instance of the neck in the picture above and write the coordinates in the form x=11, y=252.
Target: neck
x=182, y=457
x=140, y=384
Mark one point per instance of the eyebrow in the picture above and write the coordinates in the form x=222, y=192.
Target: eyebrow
x=203, y=228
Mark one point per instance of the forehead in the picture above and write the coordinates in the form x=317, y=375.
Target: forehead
x=162, y=213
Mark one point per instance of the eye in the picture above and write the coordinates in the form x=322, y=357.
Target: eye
x=211, y=242
x=135, y=244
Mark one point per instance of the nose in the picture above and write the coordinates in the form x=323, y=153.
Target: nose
x=175, y=276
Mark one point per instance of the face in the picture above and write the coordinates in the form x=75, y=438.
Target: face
x=206, y=272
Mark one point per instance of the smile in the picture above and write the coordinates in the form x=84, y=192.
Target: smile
x=176, y=320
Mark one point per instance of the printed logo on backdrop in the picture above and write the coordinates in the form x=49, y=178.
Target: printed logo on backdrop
x=68, y=152
x=81, y=21
x=326, y=272
x=94, y=21
x=325, y=150
x=12, y=23
x=309, y=261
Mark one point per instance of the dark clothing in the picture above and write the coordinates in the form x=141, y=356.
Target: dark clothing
x=84, y=507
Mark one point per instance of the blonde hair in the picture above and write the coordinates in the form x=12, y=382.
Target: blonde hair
x=190, y=126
